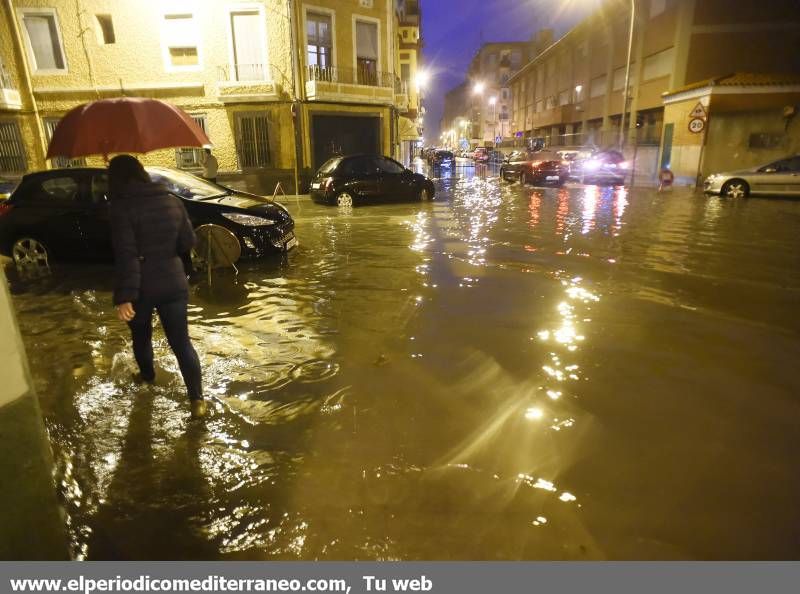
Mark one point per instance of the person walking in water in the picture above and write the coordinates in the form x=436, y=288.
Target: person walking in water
x=152, y=238
x=210, y=166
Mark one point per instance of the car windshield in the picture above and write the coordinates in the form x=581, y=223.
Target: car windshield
x=187, y=185
x=329, y=166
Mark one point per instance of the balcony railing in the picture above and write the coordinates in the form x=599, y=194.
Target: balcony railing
x=350, y=76
x=244, y=73
x=5, y=79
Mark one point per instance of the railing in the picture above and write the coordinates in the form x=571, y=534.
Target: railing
x=244, y=73
x=349, y=76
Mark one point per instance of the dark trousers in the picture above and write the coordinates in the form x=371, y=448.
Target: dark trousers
x=176, y=327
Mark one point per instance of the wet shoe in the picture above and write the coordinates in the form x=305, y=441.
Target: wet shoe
x=138, y=379
x=199, y=408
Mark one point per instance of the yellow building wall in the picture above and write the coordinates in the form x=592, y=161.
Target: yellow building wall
x=686, y=145
x=135, y=65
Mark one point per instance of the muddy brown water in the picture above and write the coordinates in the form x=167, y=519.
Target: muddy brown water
x=501, y=373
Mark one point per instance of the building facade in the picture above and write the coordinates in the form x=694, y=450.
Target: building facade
x=412, y=76
x=572, y=92
x=278, y=85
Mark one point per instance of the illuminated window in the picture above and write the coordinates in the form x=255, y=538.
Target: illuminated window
x=660, y=64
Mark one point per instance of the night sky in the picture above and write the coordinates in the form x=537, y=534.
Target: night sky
x=452, y=31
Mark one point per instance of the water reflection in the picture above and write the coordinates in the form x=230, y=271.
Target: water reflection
x=492, y=375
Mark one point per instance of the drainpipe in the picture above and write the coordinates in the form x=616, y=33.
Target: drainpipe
x=26, y=75
x=82, y=35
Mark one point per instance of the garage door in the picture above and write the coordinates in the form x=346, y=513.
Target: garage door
x=343, y=135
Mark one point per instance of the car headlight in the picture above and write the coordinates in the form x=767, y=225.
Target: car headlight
x=248, y=220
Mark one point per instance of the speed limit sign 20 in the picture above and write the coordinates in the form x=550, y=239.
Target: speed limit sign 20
x=696, y=125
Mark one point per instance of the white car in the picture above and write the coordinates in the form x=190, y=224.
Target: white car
x=779, y=178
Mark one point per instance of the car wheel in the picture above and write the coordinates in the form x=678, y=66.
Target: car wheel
x=503, y=175
x=344, y=199
x=522, y=178
x=736, y=188
x=28, y=252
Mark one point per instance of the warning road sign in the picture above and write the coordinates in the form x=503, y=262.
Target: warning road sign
x=699, y=111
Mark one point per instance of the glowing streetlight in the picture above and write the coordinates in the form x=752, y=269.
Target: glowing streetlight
x=478, y=88
x=421, y=79
x=492, y=100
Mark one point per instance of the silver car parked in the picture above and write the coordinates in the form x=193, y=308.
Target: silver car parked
x=779, y=178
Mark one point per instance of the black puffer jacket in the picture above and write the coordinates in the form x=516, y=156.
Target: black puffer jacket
x=152, y=237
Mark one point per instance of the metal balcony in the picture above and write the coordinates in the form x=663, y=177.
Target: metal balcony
x=10, y=99
x=359, y=85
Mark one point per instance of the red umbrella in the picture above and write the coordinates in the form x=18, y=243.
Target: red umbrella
x=123, y=125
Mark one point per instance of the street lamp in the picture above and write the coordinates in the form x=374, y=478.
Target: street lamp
x=627, y=77
x=478, y=88
x=421, y=79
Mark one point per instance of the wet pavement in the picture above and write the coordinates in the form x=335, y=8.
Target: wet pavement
x=503, y=373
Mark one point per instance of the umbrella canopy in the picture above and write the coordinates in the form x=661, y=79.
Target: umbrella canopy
x=123, y=125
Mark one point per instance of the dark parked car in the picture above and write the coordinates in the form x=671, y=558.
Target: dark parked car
x=539, y=167
x=357, y=179
x=63, y=214
x=442, y=158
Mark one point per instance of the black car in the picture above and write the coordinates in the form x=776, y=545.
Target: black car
x=358, y=179
x=62, y=214
x=536, y=167
x=441, y=158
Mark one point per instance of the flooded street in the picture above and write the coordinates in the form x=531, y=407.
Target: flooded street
x=505, y=372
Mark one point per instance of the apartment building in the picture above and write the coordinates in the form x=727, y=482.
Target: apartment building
x=489, y=74
x=277, y=85
x=572, y=91
x=412, y=76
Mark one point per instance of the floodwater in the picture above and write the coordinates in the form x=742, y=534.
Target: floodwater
x=502, y=373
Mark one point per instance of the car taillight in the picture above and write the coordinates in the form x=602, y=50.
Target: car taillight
x=5, y=208
x=328, y=184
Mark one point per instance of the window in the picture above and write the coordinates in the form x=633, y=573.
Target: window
x=492, y=60
x=405, y=55
x=12, y=151
x=105, y=29
x=248, y=43
x=44, y=41
x=658, y=65
x=390, y=166
x=181, y=42
x=50, y=127
x=598, y=87
x=405, y=33
x=360, y=167
x=550, y=102
x=63, y=188
x=190, y=158
x=319, y=41
x=405, y=72
x=539, y=106
x=516, y=59
x=504, y=94
x=564, y=97
x=619, y=78
x=766, y=140
x=367, y=53
x=657, y=7
x=252, y=140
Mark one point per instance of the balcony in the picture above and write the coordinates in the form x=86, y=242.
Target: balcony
x=562, y=114
x=401, y=100
x=9, y=96
x=362, y=85
x=237, y=83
